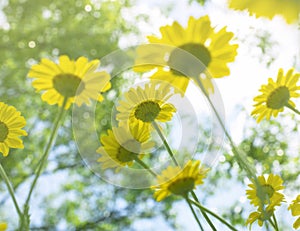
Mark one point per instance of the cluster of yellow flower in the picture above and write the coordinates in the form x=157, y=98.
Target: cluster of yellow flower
x=143, y=108
x=265, y=194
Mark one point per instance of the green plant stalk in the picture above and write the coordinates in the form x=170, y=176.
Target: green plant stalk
x=203, y=212
x=156, y=127
x=292, y=108
x=10, y=190
x=44, y=158
x=145, y=166
x=241, y=159
x=140, y=162
x=275, y=221
x=213, y=214
x=273, y=225
x=194, y=214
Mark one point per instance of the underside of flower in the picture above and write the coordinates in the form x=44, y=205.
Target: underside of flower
x=3, y=131
x=147, y=111
x=182, y=61
x=128, y=151
x=267, y=193
x=278, y=98
x=182, y=186
x=68, y=85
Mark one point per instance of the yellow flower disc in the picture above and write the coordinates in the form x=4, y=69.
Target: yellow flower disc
x=142, y=106
x=276, y=95
x=210, y=47
x=178, y=181
x=11, y=124
x=78, y=81
x=268, y=193
x=120, y=147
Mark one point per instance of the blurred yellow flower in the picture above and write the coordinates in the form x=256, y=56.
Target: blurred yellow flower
x=268, y=193
x=121, y=147
x=141, y=106
x=178, y=181
x=276, y=95
x=289, y=9
x=3, y=226
x=199, y=39
x=295, y=208
x=78, y=81
x=11, y=124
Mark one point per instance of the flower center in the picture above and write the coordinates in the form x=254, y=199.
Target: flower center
x=3, y=131
x=278, y=98
x=128, y=151
x=182, y=186
x=184, y=63
x=147, y=111
x=267, y=192
x=68, y=85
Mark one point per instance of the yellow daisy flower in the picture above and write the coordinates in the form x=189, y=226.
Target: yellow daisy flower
x=76, y=80
x=3, y=226
x=289, y=9
x=121, y=148
x=11, y=124
x=276, y=95
x=199, y=39
x=295, y=208
x=268, y=194
x=259, y=216
x=178, y=181
x=144, y=106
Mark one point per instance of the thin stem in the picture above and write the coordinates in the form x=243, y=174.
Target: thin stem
x=145, y=166
x=47, y=149
x=275, y=222
x=272, y=223
x=10, y=190
x=194, y=213
x=203, y=212
x=213, y=214
x=242, y=159
x=292, y=108
x=267, y=226
x=156, y=127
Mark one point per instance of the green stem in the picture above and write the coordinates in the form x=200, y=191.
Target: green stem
x=47, y=150
x=275, y=222
x=267, y=226
x=272, y=223
x=292, y=108
x=156, y=127
x=145, y=166
x=203, y=212
x=241, y=159
x=194, y=213
x=10, y=190
x=213, y=214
